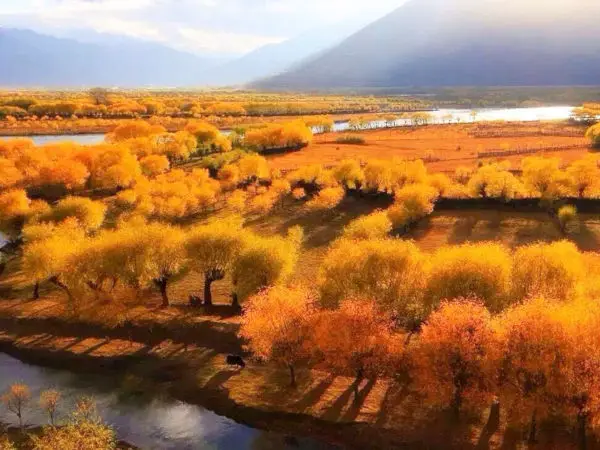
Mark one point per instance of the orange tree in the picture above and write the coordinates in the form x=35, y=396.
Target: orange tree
x=454, y=361
x=356, y=338
x=277, y=326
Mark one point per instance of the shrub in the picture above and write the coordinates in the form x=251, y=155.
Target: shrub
x=413, y=202
x=593, y=134
x=349, y=174
x=567, y=218
x=373, y=226
x=481, y=271
x=351, y=139
x=328, y=198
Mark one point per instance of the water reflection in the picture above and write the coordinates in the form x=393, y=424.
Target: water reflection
x=140, y=415
x=84, y=139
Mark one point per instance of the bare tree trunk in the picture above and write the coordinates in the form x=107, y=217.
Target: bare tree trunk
x=235, y=302
x=532, y=429
x=162, y=286
x=54, y=280
x=207, y=292
x=356, y=384
x=292, y=375
x=581, y=431
x=36, y=290
x=210, y=277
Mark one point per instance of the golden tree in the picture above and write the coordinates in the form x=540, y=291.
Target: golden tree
x=412, y=203
x=265, y=262
x=534, y=348
x=356, y=339
x=455, y=359
x=543, y=177
x=349, y=174
x=213, y=249
x=88, y=213
x=327, y=198
x=50, y=258
x=153, y=165
x=584, y=175
x=376, y=225
x=391, y=271
x=480, y=270
x=49, y=400
x=549, y=270
x=277, y=326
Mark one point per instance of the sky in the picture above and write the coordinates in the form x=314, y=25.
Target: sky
x=223, y=27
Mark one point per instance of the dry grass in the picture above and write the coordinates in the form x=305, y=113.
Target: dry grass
x=454, y=145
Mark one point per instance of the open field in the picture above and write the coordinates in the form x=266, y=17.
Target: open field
x=453, y=145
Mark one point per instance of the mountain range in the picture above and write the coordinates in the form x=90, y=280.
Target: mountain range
x=423, y=43
x=29, y=58
x=462, y=43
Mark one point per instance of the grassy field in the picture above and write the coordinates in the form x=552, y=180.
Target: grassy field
x=451, y=146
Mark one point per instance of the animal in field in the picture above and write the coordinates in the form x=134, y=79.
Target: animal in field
x=236, y=360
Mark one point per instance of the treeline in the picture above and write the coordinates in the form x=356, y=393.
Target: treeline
x=106, y=103
x=133, y=149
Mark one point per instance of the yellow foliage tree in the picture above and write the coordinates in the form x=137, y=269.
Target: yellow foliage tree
x=391, y=271
x=482, y=271
x=552, y=271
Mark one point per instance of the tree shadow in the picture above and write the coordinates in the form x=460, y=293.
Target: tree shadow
x=585, y=239
x=313, y=396
x=220, y=378
x=357, y=404
x=462, y=230
x=395, y=395
x=510, y=439
x=490, y=428
x=334, y=412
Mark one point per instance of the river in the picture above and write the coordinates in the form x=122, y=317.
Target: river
x=145, y=419
x=439, y=116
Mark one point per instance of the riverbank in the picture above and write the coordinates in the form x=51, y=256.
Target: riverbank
x=21, y=439
x=322, y=406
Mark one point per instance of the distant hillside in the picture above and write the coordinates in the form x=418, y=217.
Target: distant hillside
x=273, y=59
x=462, y=43
x=32, y=59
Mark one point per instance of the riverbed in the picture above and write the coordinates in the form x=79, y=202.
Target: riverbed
x=148, y=420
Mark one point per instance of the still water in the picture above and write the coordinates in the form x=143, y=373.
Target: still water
x=143, y=419
x=84, y=139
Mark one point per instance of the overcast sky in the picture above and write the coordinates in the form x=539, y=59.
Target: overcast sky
x=218, y=26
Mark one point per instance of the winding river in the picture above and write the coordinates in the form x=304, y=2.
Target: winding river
x=145, y=419
x=439, y=116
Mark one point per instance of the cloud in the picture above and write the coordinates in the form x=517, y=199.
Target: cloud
x=226, y=42
x=217, y=26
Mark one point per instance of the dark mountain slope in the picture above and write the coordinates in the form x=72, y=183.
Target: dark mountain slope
x=462, y=43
